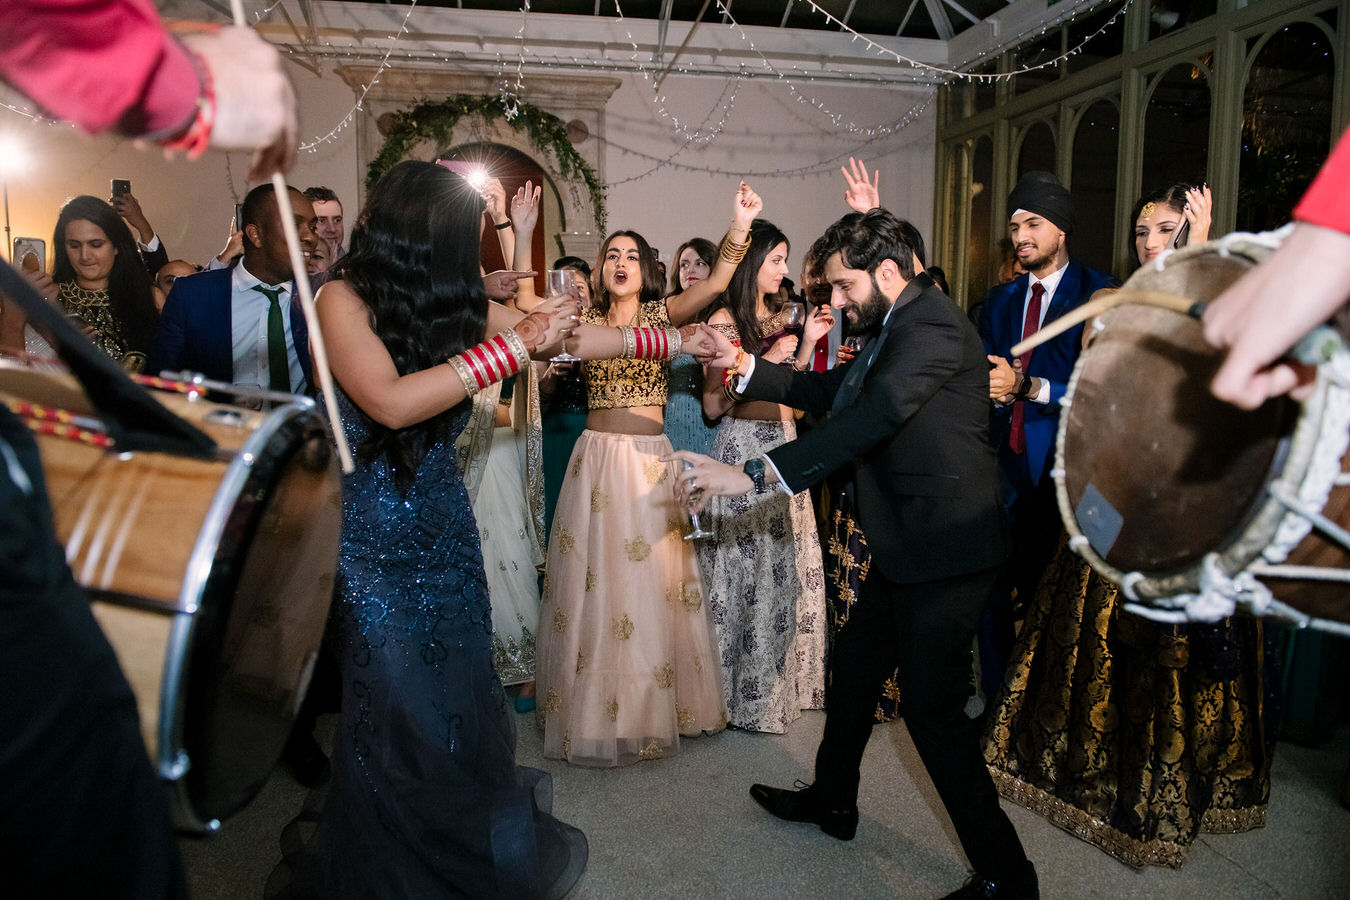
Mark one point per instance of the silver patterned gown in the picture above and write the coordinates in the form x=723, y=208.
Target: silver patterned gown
x=426, y=798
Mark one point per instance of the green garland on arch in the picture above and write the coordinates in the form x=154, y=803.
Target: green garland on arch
x=436, y=121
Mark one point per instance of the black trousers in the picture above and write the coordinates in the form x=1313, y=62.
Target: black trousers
x=1031, y=512
x=926, y=630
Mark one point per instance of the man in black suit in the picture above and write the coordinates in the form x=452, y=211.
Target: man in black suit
x=908, y=418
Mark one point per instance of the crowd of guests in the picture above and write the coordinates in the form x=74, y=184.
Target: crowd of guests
x=531, y=531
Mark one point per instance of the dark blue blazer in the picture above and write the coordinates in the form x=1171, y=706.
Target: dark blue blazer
x=196, y=328
x=1001, y=328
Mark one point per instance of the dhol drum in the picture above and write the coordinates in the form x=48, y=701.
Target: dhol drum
x=212, y=578
x=1195, y=507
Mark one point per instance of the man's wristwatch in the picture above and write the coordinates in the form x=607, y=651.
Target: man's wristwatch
x=1023, y=389
x=755, y=469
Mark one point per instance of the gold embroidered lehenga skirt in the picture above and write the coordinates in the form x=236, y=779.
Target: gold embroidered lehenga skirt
x=627, y=657
x=1129, y=734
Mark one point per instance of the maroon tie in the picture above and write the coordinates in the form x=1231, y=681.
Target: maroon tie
x=1017, y=441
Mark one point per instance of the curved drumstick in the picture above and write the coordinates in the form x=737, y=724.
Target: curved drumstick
x=306, y=292
x=1193, y=308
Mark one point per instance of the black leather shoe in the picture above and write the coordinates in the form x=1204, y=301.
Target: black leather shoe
x=303, y=756
x=804, y=806
x=1022, y=886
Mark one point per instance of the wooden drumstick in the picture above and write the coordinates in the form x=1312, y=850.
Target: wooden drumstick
x=1192, y=308
x=320, y=360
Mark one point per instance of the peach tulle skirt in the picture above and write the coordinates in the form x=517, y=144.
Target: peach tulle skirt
x=627, y=655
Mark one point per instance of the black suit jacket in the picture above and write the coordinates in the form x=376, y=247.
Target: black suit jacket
x=916, y=436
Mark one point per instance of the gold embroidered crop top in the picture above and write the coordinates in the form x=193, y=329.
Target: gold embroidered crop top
x=621, y=383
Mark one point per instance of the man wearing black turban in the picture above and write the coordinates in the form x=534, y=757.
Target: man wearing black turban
x=1026, y=393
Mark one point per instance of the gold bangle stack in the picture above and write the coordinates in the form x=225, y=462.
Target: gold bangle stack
x=465, y=374
x=675, y=341
x=629, y=342
x=517, y=348
x=733, y=251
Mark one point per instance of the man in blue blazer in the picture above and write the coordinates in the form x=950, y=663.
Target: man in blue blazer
x=1025, y=393
x=243, y=324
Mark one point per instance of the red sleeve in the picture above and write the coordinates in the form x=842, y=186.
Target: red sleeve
x=1327, y=202
x=102, y=64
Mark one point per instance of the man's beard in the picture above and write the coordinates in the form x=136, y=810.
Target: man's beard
x=870, y=314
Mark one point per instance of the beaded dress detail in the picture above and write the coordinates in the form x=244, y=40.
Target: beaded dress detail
x=426, y=799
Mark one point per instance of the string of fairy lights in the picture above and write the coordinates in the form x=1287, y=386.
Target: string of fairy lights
x=512, y=85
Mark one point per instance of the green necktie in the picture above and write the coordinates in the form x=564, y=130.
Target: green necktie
x=278, y=369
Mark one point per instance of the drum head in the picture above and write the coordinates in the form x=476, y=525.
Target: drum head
x=1156, y=471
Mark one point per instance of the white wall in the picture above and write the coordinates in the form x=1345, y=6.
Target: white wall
x=767, y=133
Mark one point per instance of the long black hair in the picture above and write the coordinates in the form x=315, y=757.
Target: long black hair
x=129, y=294
x=743, y=293
x=414, y=261
x=652, y=284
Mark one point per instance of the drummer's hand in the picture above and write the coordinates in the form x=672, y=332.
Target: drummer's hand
x=1265, y=312
x=1002, y=379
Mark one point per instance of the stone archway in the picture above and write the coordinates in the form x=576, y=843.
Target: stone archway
x=577, y=100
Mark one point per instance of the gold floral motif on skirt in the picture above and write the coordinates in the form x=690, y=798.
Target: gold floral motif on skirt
x=637, y=549
x=1131, y=735
x=664, y=675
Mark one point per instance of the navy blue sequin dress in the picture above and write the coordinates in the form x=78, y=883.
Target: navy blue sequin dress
x=426, y=799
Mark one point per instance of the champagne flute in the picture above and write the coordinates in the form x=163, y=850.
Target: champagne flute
x=698, y=532
x=558, y=284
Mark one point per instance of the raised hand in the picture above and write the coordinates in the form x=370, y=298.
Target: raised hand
x=525, y=208
x=494, y=195
x=1198, y=212
x=862, y=195
x=747, y=207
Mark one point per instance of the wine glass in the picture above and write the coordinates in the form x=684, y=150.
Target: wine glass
x=558, y=283
x=794, y=316
x=698, y=532
x=854, y=344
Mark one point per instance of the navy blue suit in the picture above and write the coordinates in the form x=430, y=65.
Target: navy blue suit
x=1029, y=495
x=196, y=328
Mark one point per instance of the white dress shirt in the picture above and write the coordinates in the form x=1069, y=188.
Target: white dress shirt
x=1051, y=282
x=248, y=331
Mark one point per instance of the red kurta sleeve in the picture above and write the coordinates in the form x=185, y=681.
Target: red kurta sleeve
x=102, y=64
x=1327, y=202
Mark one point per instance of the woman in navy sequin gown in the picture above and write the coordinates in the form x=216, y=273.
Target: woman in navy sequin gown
x=426, y=799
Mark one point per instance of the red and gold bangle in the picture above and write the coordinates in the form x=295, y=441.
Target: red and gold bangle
x=493, y=360
x=197, y=136
x=652, y=343
x=729, y=375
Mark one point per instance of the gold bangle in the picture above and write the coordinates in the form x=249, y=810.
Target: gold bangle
x=676, y=342
x=733, y=256
x=517, y=347
x=629, y=342
x=465, y=375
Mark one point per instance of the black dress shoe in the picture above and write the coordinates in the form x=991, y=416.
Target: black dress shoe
x=1022, y=886
x=303, y=756
x=804, y=806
